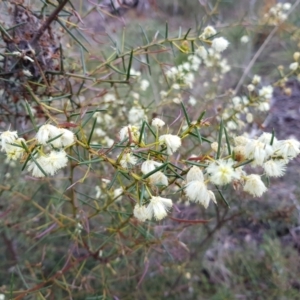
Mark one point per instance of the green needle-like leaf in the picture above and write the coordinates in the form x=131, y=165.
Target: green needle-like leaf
x=129, y=65
x=92, y=131
x=167, y=31
x=222, y=196
x=227, y=141
x=186, y=35
x=185, y=114
x=220, y=139
x=32, y=119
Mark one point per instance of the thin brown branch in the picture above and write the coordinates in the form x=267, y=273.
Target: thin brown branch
x=47, y=23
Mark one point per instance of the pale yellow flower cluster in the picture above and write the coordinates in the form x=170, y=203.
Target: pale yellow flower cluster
x=50, y=155
x=265, y=152
x=240, y=110
x=277, y=14
x=196, y=188
x=53, y=156
x=156, y=207
x=12, y=145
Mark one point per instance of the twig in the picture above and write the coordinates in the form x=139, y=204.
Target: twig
x=48, y=22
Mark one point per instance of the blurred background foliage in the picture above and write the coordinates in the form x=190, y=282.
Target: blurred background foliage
x=249, y=250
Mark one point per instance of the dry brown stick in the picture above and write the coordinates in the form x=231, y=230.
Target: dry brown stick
x=48, y=21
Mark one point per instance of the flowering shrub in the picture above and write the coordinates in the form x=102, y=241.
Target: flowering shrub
x=110, y=156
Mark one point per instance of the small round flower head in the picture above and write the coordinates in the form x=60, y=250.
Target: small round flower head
x=135, y=95
x=241, y=140
x=194, y=173
x=254, y=185
x=208, y=32
x=189, y=79
x=294, y=66
x=117, y=194
x=176, y=86
x=296, y=56
x=275, y=168
x=67, y=138
x=177, y=100
x=144, y=84
x=133, y=72
x=266, y=138
x=136, y=115
x=195, y=62
x=286, y=6
x=173, y=142
x=149, y=166
x=158, y=123
x=100, y=133
x=224, y=66
x=7, y=137
x=245, y=39
x=48, y=132
x=264, y=106
x=239, y=152
x=185, y=66
x=214, y=146
x=258, y=151
x=98, y=192
x=192, y=101
x=163, y=94
x=106, y=120
x=108, y=141
x=134, y=131
x=233, y=125
x=250, y=87
x=221, y=172
x=197, y=191
x=109, y=98
x=14, y=152
x=36, y=166
x=249, y=117
x=141, y=213
x=266, y=92
x=202, y=52
x=54, y=161
x=158, y=178
x=237, y=102
x=27, y=73
x=158, y=207
x=288, y=149
x=127, y=160
x=219, y=44
x=256, y=79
